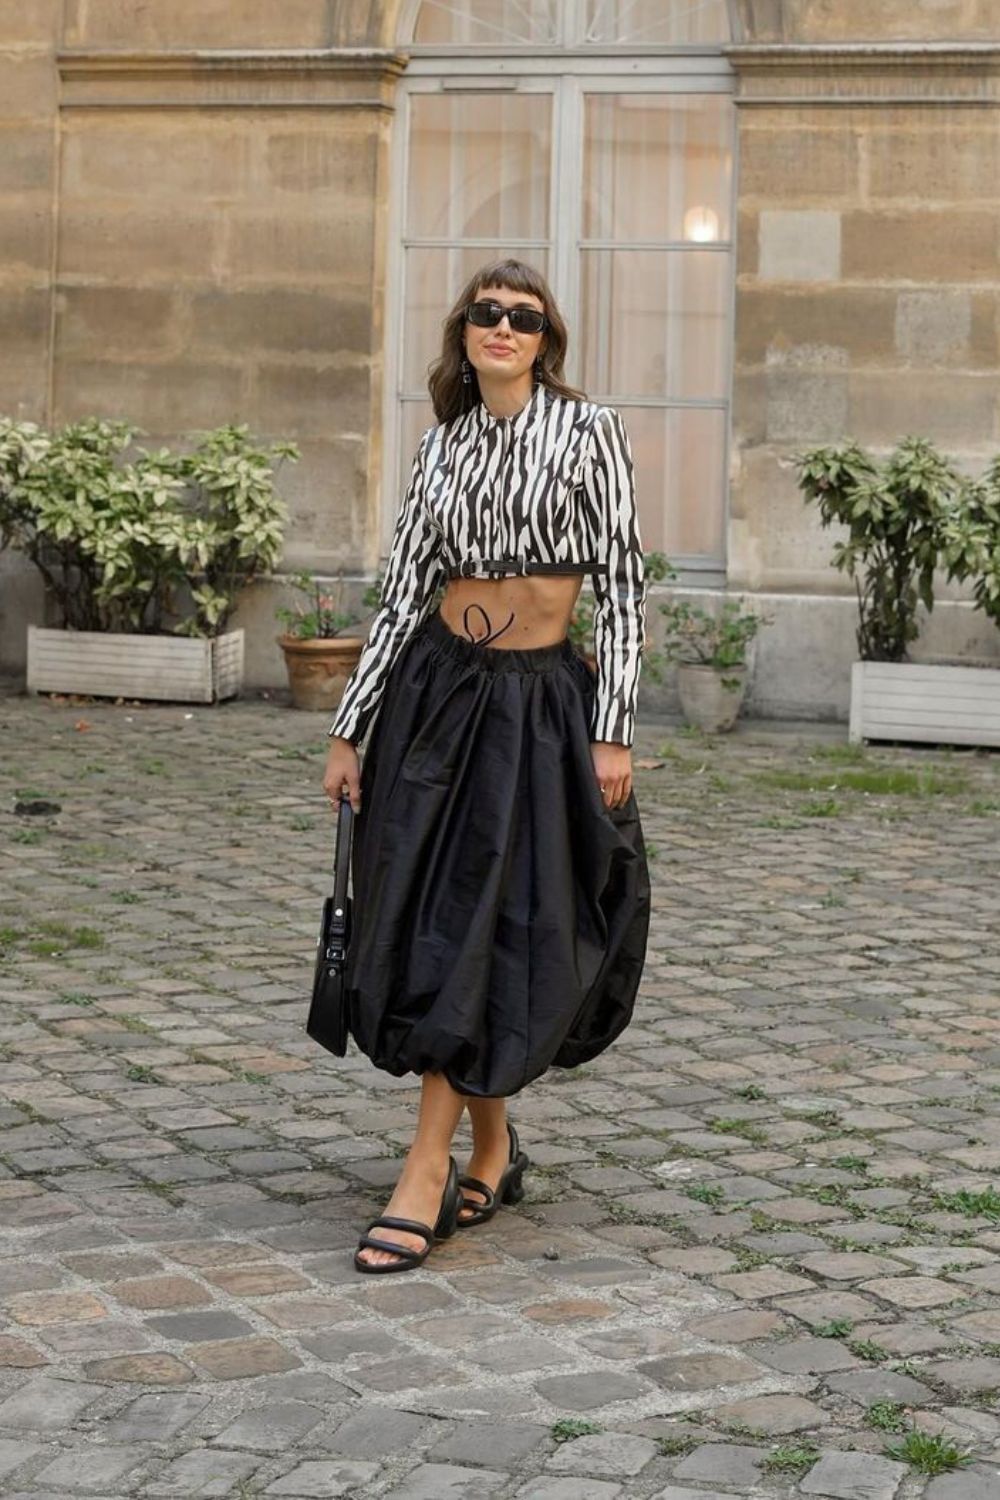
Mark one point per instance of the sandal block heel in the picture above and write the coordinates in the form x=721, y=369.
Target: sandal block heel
x=509, y=1190
x=513, y=1186
x=447, y=1221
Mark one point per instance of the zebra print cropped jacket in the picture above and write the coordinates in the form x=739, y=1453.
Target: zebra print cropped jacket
x=548, y=490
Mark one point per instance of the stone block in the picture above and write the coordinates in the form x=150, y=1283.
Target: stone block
x=374, y=1431
x=242, y=1358
x=108, y=320
x=39, y=1309
x=47, y=1404
x=134, y=242
x=156, y=1416
x=271, y=1428
x=280, y=319
x=774, y=1414
x=205, y=1473
x=799, y=245
x=89, y=1468
x=199, y=1327
x=589, y=1391
x=967, y=1484
x=953, y=410
x=778, y=163
x=312, y=401
x=162, y=1291
x=773, y=320
x=853, y=20
x=317, y=163
x=722, y=1463
x=152, y=1368
x=853, y=1476
x=196, y=23
x=921, y=244
x=28, y=84
x=330, y=245
x=806, y=405
x=613, y=1455
x=932, y=328
x=167, y=399
x=571, y=1489
x=923, y=163
x=14, y=1454
x=25, y=236
x=441, y=1482
x=700, y=1372
x=174, y=161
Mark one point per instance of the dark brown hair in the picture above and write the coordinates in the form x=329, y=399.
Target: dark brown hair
x=450, y=395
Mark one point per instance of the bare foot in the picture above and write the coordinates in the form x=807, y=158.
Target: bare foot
x=417, y=1196
x=489, y=1160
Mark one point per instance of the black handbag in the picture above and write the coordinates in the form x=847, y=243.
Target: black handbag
x=327, y=1021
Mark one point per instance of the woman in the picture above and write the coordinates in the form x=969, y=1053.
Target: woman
x=501, y=895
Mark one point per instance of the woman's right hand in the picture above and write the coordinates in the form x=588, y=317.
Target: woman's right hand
x=343, y=769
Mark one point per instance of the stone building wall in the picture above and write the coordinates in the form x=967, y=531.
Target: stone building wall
x=193, y=231
x=868, y=302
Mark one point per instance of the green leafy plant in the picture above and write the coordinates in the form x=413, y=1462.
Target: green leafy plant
x=930, y=1453
x=896, y=514
x=695, y=637
x=971, y=540
x=129, y=540
x=568, y=1428
x=790, y=1458
x=320, y=616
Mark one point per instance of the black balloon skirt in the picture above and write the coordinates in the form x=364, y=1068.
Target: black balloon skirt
x=500, y=909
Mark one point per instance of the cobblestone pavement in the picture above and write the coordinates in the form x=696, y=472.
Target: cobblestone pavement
x=761, y=1241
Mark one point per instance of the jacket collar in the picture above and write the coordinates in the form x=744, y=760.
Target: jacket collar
x=520, y=423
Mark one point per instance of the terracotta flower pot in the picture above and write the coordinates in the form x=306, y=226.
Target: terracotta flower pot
x=318, y=669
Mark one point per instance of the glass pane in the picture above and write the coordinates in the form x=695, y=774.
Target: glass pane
x=479, y=166
x=655, y=322
x=434, y=278
x=680, y=479
x=487, y=23
x=657, y=167
x=671, y=23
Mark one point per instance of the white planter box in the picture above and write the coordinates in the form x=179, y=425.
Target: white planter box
x=167, y=668
x=943, y=705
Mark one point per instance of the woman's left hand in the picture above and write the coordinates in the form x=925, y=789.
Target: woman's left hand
x=613, y=768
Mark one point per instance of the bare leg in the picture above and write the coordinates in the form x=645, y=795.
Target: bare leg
x=425, y=1172
x=490, y=1146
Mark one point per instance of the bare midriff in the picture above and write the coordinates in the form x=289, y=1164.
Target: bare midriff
x=512, y=614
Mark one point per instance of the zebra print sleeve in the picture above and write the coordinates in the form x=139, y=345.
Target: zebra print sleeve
x=413, y=572
x=619, y=585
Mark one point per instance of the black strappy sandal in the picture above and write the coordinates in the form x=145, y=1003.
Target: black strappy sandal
x=510, y=1188
x=447, y=1222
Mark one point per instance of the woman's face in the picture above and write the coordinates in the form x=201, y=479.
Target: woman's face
x=501, y=353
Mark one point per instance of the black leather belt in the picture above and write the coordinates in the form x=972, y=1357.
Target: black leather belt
x=473, y=567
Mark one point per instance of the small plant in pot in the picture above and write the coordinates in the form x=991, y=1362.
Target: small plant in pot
x=319, y=649
x=710, y=651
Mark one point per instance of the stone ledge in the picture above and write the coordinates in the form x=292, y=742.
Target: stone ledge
x=851, y=73
x=322, y=78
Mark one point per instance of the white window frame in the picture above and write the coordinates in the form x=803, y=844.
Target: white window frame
x=567, y=73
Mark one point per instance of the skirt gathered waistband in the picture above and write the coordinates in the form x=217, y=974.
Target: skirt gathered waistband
x=495, y=658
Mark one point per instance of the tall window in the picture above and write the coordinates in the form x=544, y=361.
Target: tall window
x=593, y=138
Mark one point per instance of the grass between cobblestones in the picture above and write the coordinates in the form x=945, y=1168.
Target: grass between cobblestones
x=768, y=1215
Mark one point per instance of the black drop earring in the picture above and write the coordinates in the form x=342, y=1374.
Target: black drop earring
x=539, y=369
x=466, y=372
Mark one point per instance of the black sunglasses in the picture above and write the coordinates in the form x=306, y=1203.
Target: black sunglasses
x=521, y=319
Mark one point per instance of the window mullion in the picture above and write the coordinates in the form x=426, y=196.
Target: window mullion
x=567, y=209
